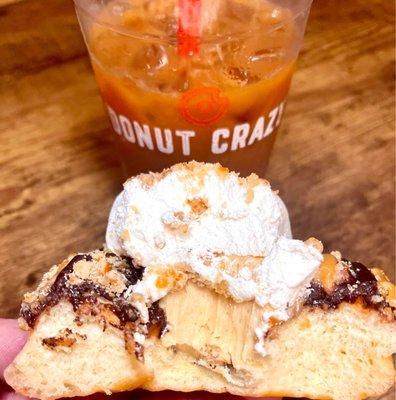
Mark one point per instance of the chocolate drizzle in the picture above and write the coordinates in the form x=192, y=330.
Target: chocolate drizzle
x=85, y=297
x=157, y=319
x=134, y=272
x=85, y=292
x=30, y=312
x=361, y=284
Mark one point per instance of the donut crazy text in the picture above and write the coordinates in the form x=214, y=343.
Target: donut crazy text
x=222, y=139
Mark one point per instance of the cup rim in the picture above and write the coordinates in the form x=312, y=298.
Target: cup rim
x=172, y=39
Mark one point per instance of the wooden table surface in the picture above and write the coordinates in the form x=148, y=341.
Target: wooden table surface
x=333, y=162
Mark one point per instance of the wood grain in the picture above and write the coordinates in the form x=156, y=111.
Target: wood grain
x=333, y=162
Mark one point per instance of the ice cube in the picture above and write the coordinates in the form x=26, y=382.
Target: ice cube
x=241, y=76
x=229, y=52
x=150, y=58
x=268, y=54
x=239, y=11
x=178, y=82
x=168, y=25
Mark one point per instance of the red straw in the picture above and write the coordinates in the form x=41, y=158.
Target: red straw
x=189, y=27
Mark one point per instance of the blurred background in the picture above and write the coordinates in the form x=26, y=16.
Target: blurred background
x=333, y=161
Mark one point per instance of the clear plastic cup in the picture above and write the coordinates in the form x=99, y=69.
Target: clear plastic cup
x=194, y=79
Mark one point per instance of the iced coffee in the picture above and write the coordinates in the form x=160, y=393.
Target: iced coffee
x=193, y=79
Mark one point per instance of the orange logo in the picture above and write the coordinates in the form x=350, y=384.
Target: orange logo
x=203, y=105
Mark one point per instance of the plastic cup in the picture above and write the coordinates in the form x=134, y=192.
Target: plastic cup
x=194, y=79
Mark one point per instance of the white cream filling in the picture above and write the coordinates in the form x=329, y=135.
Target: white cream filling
x=143, y=222
x=158, y=227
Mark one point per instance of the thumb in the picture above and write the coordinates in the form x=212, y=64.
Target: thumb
x=12, y=340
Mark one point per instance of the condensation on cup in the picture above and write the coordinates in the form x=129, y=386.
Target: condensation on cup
x=194, y=79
